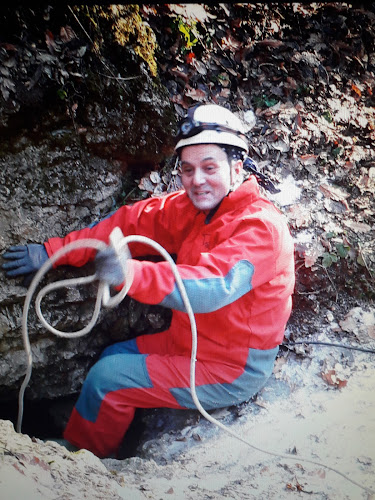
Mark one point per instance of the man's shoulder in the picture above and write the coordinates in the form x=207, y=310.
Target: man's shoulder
x=177, y=200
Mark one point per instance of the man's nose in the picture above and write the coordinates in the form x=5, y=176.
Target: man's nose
x=198, y=177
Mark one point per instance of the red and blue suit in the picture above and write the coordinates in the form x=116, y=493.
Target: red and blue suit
x=237, y=264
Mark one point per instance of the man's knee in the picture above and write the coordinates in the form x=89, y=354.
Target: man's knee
x=99, y=377
x=126, y=347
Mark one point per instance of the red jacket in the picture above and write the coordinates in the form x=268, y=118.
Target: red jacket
x=238, y=268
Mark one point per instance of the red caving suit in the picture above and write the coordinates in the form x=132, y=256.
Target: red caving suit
x=237, y=265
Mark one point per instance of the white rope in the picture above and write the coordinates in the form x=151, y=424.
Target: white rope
x=103, y=298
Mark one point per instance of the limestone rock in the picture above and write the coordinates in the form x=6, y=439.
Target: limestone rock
x=36, y=470
x=75, y=132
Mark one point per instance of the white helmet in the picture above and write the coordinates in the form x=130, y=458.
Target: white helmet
x=211, y=124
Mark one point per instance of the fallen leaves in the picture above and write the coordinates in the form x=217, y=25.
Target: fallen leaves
x=366, y=181
x=299, y=216
x=312, y=255
x=297, y=487
x=360, y=323
x=335, y=193
x=195, y=94
x=333, y=379
x=155, y=183
x=309, y=119
x=357, y=227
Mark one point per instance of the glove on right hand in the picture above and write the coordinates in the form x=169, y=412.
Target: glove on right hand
x=24, y=259
x=109, y=267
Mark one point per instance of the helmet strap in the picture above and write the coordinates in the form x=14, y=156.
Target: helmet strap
x=251, y=167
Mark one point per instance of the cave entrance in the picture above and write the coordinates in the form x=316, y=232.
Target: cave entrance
x=46, y=419
x=42, y=418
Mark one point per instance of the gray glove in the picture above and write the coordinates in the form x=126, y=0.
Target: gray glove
x=109, y=267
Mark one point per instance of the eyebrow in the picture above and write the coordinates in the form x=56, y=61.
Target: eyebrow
x=208, y=158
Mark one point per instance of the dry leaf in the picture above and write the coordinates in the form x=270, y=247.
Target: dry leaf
x=331, y=379
x=67, y=34
x=349, y=324
x=281, y=145
x=356, y=90
x=146, y=185
x=371, y=332
x=50, y=41
x=225, y=93
x=357, y=227
x=299, y=215
x=366, y=181
x=312, y=257
x=229, y=42
x=199, y=66
x=178, y=72
x=309, y=159
x=335, y=193
x=195, y=94
x=155, y=177
x=271, y=43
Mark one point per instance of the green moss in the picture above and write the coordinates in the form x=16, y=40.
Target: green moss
x=129, y=29
x=122, y=25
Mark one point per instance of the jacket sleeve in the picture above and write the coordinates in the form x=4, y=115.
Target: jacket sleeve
x=152, y=218
x=258, y=252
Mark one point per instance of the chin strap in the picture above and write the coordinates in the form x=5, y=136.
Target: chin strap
x=250, y=166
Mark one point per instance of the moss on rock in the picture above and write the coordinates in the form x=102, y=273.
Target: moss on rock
x=129, y=28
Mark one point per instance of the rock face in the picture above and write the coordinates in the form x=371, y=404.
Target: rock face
x=33, y=469
x=74, y=137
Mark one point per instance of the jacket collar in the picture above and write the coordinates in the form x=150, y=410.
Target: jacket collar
x=244, y=195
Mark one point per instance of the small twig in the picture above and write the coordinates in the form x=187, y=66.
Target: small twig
x=329, y=277
x=9, y=452
x=79, y=22
x=120, y=77
x=130, y=193
x=97, y=51
x=364, y=260
x=300, y=266
x=358, y=240
x=267, y=64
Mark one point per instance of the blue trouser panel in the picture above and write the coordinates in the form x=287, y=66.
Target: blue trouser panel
x=122, y=367
x=124, y=379
x=256, y=372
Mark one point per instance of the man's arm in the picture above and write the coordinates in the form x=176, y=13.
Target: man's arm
x=150, y=218
x=258, y=253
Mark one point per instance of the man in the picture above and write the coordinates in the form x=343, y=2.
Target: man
x=235, y=255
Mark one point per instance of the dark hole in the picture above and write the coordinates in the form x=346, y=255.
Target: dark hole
x=46, y=419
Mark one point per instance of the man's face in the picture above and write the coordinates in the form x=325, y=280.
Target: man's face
x=206, y=174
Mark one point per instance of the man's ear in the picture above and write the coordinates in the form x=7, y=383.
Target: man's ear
x=237, y=166
x=236, y=170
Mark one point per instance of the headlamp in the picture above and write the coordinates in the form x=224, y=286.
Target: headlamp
x=190, y=127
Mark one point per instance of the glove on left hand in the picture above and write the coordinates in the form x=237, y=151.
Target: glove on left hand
x=24, y=259
x=109, y=267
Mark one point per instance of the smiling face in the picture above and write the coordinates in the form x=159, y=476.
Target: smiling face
x=207, y=175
